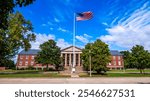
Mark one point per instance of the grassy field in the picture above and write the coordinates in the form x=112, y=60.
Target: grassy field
x=120, y=73
x=117, y=75
x=29, y=74
x=55, y=74
x=129, y=71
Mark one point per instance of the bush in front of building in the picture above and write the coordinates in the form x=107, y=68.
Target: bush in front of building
x=31, y=68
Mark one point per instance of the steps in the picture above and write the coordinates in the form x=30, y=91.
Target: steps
x=74, y=75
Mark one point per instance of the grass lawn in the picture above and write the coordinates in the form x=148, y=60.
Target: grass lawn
x=129, y=71
x=117, y=75
x=55, y=74
x=29, y=74
x=32, y=75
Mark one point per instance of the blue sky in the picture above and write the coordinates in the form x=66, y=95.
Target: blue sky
x=119, y=23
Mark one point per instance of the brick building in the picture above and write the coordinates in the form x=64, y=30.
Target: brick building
x=26, y=58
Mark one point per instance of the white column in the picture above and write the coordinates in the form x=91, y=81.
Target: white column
x=74, y=59
x=65, y=59
x=79, y=59
x=70, y=59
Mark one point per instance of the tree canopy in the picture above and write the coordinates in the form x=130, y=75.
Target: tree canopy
x=138, y=58
x=15, y=31
x=18, y=34
x=100, y=56
x=7, y=6
x=49, y=54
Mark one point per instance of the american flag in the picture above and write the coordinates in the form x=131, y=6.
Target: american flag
x=84, y=16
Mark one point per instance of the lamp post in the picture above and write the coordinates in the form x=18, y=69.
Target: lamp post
x=90, y=62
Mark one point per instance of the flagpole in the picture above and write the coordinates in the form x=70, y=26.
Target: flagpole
x=74, y=32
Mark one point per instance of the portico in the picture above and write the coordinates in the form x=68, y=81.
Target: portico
x=67, y=55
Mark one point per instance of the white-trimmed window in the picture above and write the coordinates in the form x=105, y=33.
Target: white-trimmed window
x=21, y=57
x=114, y=57
x=32, y=62
x=119, y=57
x=20, y=63
x=114, y=62
x=119, y=63
x=109, y=63
x=26, y=63
x=27, y=56
x=32, y=57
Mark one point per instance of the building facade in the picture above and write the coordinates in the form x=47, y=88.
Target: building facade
x=26, y=59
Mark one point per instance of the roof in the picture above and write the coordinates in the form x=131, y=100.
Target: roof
x=70, y=47
x=35, y=51
x=115, y=53
x=30, y=51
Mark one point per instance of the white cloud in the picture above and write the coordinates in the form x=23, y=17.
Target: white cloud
x=104, y=23
x=63, y=30
x=41, y=38
x=134, y=30
x=49, y=23
x=44, y=25
x=56, y=20
x=85, y=38
x=62, y=43
x=51, y=28
x=82, y=39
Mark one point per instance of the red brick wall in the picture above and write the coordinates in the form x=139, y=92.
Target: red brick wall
x=116, y=64
x=23, y=59
x=2, y=68
x=29, y=60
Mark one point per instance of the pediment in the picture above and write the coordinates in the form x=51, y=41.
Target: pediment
x=70, y=49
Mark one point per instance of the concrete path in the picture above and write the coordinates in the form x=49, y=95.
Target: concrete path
x=101, y=80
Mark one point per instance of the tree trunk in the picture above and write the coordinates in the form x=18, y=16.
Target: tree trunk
x=141, y=71
x=46, y=67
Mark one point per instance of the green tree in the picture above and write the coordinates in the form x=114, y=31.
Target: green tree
x=140, y=58
x=11, y=31
x=10, y=64
x=7, y=6
x=49, y=54
x=128, y=60
x=100, y=56
x=18, y=34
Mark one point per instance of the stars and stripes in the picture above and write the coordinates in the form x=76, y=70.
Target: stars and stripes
x=84, y=16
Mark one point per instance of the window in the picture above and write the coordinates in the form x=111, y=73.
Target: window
x=114, y=62
x=20, y=63
x=32, y=57
x=27, y=56
x=119, y=63
x=119, y=58
x=109, y=63
x=32, y=62
x=26, y=63
x=21, y=57
x=114, y=57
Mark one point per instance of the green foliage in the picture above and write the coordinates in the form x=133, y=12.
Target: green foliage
x=10, y=64
x=7, y=6
x=18, y=34
x=127, y=59
x=49, y=54
x=140, y=57
x=30, y=68
x=100, y=56
x=137, y=58
x=13, y=28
